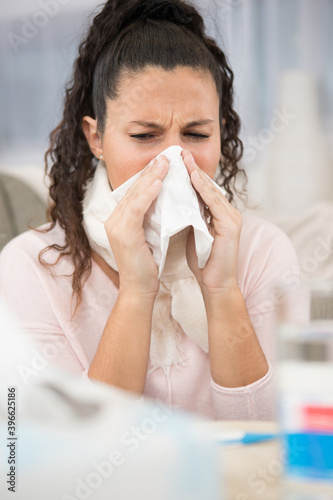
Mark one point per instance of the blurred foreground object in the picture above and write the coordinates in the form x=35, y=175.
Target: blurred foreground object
x=305, y=379
x=72, y=439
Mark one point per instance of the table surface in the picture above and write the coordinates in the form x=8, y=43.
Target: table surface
x=255, y=471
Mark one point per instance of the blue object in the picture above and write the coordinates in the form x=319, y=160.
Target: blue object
x=309, y=455
x=248, y=438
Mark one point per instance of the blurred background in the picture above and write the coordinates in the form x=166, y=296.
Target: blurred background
x=281, y=55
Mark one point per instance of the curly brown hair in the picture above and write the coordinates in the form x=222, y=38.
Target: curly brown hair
x=128, y=35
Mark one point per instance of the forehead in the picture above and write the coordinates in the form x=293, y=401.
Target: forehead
x=153, y=89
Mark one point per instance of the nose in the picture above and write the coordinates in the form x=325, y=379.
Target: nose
x=174, y=140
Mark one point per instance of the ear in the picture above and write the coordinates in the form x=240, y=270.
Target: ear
x=89, y=127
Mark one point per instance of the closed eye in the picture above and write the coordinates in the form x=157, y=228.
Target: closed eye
x=197, y=136
x=143, y=137
x=147, y=137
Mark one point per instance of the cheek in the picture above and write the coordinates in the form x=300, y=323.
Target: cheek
x=208, y=161
x=122, y=167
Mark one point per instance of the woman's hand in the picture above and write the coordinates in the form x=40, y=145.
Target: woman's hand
x=235, y=355
x=219, y=273
x=138, y=272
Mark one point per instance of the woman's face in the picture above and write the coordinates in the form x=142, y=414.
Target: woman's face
x=156, y=109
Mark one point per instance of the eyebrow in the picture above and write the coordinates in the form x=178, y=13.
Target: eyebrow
x=156, y=126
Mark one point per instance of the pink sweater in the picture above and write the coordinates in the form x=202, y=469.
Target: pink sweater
x=40, y=302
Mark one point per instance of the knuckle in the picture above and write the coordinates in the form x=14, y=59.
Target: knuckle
x=134, y=210
x=215, y=196
x=110, y=230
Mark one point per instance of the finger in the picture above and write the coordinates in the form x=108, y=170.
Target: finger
x=131, y=211
x=192, y=166
x=134, y=205
x=212, y=197
x=207, y=189
x=189, y=161
x=156, y=169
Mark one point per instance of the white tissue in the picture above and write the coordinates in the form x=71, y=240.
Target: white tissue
x=176, y=208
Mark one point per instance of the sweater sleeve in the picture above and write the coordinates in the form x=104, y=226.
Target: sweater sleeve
x=27, y=291
x=267, y=260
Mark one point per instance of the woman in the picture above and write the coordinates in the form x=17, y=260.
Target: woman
x=146, y=78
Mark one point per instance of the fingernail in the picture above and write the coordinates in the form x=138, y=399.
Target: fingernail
x=195, y=176
x=160, y=161
x=189, y=154
x=151, y=163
